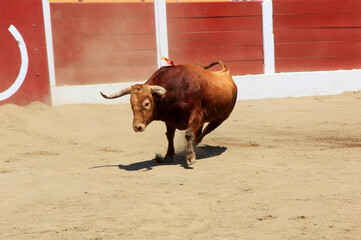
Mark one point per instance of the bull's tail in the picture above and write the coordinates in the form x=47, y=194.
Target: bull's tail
x=224, y=67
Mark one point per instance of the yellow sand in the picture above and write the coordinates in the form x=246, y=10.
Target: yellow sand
x=276, y=169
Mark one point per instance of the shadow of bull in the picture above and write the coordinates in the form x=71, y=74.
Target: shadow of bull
x=202, y=152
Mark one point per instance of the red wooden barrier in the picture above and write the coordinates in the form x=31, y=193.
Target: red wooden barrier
x=229, y=31
x=103, y=42
x=115, y=42
x=313, y=35
x=27, y=18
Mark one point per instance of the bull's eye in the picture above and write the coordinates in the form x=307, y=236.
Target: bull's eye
x=146, y=104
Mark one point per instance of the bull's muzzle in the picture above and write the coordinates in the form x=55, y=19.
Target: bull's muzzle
x=139, y=127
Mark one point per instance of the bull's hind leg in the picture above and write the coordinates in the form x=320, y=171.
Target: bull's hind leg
x=209, y=128
x=193, y=130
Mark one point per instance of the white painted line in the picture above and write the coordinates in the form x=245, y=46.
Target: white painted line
x=268, y=38
x=49, y=41
x=23, y=67
x=160, y=12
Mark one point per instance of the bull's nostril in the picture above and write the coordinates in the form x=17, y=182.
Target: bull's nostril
x=139, y=128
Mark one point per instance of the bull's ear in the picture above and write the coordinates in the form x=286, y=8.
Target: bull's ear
x=158, y=90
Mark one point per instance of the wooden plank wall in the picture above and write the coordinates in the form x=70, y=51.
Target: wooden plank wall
x=103, y=42
x=30, y=25
x=201, y=32
x=312, y=35
x=115, y=42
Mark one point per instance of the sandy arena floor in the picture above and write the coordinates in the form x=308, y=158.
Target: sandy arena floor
x=276, y=169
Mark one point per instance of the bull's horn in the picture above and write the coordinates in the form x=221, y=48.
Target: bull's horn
x=158, y=90
x=121, y=93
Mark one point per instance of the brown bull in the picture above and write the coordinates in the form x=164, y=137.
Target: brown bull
x=185, y=97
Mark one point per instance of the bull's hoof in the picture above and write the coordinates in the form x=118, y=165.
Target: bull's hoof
x=191, y=158
x=159, y=159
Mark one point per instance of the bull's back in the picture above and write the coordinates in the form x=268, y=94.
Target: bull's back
x=192, y=87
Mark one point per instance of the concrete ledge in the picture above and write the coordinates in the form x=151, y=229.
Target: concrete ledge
x=279, y=85
x=87, y=94
x=297, y=84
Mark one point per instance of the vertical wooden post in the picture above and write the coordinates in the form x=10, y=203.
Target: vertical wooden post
x=161, y=30
x=49, y=41
x=268, y=38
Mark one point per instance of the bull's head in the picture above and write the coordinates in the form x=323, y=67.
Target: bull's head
x=142, y=102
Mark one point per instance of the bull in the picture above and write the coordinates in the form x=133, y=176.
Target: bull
x=184, y=97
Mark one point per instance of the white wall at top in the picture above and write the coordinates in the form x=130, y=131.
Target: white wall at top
x=63, y=95
x=279, y=85
x=297, y=84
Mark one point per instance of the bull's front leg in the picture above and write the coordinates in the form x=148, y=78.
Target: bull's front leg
x=190, y=155
x=170, y=137
x=170, y=152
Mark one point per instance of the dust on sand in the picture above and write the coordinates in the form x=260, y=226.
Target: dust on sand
x=276, y=169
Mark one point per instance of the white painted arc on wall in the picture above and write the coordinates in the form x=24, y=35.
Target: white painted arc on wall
x=23, y=67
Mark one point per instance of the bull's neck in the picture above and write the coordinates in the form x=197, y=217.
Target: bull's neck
x=159, y=108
